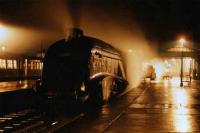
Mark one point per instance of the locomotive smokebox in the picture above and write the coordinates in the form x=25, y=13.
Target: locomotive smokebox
x=73, y=33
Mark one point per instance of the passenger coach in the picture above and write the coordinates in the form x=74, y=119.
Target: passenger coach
x=19, y=67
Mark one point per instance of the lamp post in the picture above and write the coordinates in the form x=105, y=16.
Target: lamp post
x=181, y=43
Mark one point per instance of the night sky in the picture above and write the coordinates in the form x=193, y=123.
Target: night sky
x=164, y=20
x=161, y=21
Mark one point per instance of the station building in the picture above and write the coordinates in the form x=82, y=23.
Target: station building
x=168, y=64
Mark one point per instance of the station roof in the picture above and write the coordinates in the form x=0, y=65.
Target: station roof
x=180, y=49
x=177, y=52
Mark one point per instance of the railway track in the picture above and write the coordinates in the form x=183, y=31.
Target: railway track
x=29, y=121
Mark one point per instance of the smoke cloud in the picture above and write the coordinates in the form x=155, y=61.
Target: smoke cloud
x=43, y=22
x=117, y=26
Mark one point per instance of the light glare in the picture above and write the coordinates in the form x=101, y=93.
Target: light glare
x=130, y=50
x=182, y=42
x=3, y=48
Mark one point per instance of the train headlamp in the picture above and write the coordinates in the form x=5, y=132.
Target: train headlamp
x=83, y=87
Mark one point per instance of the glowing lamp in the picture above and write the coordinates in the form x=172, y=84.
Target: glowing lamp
x=130, y=50
x=3, y=48
x=182, y=42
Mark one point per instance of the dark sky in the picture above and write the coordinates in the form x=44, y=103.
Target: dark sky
x=164, y=19
x=160, y=20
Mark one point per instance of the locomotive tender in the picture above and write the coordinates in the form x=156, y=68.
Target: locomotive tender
x=82, y=69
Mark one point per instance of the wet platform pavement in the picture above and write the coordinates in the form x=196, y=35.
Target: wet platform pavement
x=16, y=85
x=158, y=107
x=163, y=107
x=151, y=108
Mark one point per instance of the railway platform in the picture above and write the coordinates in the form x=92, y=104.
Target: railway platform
x=6, y=86
x=16, y=95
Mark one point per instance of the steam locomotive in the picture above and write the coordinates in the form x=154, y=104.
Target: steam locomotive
x=81, y=69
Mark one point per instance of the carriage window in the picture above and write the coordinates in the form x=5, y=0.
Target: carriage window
x=36, y=65
x=41, y=65
x=14, y=64
x=9, y=64
x=2, y=64
x=32, y=65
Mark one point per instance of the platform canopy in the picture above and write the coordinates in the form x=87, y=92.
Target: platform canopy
x=180, y=49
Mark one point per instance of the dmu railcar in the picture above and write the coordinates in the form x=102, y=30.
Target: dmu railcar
x=81, y=69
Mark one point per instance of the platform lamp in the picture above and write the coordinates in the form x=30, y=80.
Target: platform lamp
x=181, y=44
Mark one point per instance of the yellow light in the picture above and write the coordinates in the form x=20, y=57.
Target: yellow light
x=166, y=83
x=3, y=48
x=159, y=69
x=2, y=64
x=182, y=42
x=83, y=87
x=175, y=81
x=180, y=97
x=130, y=50
x=3, y=32
x=182, y=123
